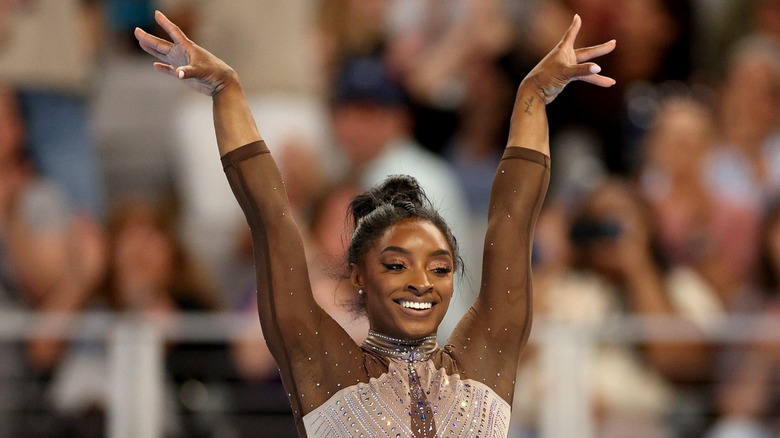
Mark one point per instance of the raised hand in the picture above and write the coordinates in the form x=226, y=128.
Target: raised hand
x=180, y=57
x=564, y=64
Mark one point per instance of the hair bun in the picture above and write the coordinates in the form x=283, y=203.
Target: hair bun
x=397, y=190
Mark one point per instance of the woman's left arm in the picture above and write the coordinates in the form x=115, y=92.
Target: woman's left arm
x=498, y=324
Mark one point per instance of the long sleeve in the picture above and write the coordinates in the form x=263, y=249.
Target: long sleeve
x=487, y=342
x=305, y=341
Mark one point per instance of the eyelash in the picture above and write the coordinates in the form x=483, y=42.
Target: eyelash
x=444, y=270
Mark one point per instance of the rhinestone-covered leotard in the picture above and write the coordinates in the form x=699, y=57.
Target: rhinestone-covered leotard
x=392, y=387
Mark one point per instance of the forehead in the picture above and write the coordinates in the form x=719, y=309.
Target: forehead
x=412, y=233
x=608, y=199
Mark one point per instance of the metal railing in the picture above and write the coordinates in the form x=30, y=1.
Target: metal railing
x=136, y=349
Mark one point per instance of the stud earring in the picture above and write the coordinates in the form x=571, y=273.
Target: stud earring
x=360, y=291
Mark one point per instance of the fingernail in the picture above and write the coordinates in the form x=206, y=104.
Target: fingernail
x=594, y=68
x=181, y=74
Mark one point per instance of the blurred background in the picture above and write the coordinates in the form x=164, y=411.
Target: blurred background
x=127, y=302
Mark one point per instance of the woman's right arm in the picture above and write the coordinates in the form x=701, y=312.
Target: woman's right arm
x=295, y=327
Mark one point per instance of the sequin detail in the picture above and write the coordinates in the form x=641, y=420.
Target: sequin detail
x=406, y=351
x=461, y=408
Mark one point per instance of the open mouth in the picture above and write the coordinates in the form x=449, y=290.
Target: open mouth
x=415, y=305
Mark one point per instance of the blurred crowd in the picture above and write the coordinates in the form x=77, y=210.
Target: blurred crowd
x=663, y=200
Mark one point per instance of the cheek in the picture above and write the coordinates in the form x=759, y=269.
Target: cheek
x=445, y=288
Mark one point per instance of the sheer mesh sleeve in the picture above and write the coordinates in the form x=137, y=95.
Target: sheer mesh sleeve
x=316, y=357
x=487, y=342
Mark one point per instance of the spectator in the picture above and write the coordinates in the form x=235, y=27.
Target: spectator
x=743, y=172
x=675, y=148
x=56, y=101
x=432, y=45
x=147, y=272
x=614, y=271
x=46, y=256
x=749, y=389
x=346, y=28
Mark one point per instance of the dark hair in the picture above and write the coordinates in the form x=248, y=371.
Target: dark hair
x=767, y=275
x=373, y=212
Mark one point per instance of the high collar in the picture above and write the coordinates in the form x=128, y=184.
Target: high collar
x=418, y=350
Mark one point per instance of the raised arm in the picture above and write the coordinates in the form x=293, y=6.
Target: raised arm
x=296, y=329
x=498, y=324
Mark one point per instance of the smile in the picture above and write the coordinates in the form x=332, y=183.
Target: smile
x=415, y=305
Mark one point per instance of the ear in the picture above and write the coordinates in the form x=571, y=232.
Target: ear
x=355, y=276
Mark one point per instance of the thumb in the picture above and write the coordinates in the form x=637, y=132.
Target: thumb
x=185, y=72
x=578, y=71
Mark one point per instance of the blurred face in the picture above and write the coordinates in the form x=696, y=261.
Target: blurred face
x=143, y=259
x=615, y=205
x=328, y=230
x=370, y=12
x=767, y=16
x=680, y=137
x=750, y=111
x=645, y=23
x=363, y=130
x=407, y=277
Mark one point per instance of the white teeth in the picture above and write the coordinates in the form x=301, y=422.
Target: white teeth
x=415, y=305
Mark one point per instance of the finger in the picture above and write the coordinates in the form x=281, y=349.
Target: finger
x=170, y=28
x=577, y=71
x=588, y=72
x=152, y=45
x=571, y=33
x=164, y=68
x=601, y=81
x=587, y=53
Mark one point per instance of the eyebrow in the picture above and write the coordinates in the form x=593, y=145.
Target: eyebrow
x=398, y=249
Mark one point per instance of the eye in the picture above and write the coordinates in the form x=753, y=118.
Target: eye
x=442, y=270
x=393, y=266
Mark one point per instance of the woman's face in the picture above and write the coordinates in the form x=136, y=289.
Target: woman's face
x=143, y=259
x=407, y=276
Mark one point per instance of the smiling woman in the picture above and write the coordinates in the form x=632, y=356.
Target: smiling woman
x=403, y=256
x=399, y=382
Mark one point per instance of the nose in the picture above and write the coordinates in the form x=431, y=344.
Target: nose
x=419, y=283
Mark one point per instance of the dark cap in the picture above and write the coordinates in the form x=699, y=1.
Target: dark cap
x=367, y=79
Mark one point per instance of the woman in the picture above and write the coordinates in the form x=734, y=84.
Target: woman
x=402, y=258
x=748, y=386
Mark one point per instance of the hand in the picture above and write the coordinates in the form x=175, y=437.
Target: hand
x=198, y=68
x=565, y=64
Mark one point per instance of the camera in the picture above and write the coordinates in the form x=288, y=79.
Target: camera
x=585, y=231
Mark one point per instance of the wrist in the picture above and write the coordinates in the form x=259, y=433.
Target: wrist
x=230, y=85
x=528, y=125
x=529, y=88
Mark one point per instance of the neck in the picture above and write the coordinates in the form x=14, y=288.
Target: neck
x=417, y=350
